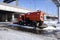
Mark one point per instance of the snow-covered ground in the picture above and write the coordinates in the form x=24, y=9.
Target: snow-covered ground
x=53, y=25
x=9, y=34
x=50, y=22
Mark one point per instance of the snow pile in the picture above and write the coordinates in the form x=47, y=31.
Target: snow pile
x=50, y=22
x=52, y=25
x=57, y=26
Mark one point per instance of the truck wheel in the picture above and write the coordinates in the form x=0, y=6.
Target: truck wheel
x=43, y=26
x=21, y=22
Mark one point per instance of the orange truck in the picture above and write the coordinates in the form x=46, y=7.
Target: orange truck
x=34, y=19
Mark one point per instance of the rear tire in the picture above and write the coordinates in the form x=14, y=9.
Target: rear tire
x=43, y=26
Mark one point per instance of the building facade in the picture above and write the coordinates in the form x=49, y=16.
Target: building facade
x=9, y=13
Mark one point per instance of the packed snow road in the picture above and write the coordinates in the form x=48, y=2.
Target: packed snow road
x=9, y=34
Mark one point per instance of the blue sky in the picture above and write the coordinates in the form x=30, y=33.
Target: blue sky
x=45, y=5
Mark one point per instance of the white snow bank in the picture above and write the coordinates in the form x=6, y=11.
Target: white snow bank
x=50, y=22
